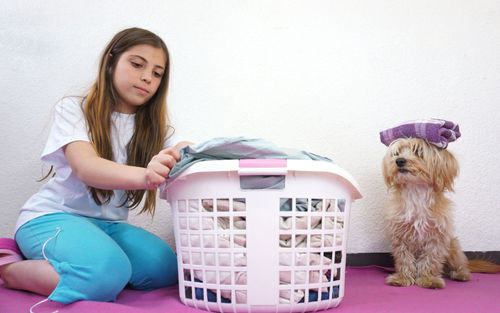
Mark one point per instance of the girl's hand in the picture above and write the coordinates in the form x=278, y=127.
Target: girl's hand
x=160, y=165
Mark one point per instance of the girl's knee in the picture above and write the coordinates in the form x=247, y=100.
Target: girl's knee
x=156, y=271
x=108, y=278
x=167, y=269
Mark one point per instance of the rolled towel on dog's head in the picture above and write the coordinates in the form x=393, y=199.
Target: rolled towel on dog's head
x=435, y=131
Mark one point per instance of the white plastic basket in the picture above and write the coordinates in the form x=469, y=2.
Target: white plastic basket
x=261, y=250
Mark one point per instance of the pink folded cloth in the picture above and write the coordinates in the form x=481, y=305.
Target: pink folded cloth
x=435, y=131
x=9, y=252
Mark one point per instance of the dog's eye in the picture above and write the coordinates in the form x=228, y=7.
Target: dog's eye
x=418, y=151
x=395, y=153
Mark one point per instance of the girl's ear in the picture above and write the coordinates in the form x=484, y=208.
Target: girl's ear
x=109, y=63
x=109, y=69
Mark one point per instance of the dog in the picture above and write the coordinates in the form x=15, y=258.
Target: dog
x=419, y=219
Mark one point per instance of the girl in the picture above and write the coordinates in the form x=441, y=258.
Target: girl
x=107, y=149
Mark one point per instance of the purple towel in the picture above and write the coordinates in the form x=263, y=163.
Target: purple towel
x=436, y=131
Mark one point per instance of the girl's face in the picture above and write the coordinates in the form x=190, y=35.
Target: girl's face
x=137, y=76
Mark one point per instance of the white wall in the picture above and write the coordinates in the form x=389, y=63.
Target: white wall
x=323, y=76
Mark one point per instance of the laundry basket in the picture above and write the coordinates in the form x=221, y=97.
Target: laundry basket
x=246, y=247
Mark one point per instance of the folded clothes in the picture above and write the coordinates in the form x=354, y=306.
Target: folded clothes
x=226, y=148
x=435, y=131
x=313, y=295
x=211, y=296
x=224, y=240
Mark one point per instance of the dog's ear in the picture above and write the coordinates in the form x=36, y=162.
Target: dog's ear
x=445, y=171
x=385, y=171
x=387, y=178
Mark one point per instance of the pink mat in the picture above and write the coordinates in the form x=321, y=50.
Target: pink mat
x=366, y=292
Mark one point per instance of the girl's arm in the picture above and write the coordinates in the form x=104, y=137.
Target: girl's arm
x=105, y=174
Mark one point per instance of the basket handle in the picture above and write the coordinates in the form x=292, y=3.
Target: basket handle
x=264, y=167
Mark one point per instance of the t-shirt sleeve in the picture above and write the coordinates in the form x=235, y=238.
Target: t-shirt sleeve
x=68, y=126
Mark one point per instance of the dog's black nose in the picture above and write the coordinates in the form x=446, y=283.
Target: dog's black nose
x=400, y=162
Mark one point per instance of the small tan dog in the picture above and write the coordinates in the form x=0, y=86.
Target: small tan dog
x=419, y=218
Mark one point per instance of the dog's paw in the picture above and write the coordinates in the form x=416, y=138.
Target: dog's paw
x=460, y=275
x=398, y=279
x=431, y=282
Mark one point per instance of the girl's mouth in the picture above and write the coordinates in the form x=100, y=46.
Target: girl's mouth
x=141, y=90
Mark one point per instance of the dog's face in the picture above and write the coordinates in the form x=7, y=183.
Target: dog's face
x=414, y=161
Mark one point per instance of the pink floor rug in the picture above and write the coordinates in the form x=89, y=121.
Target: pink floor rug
x=366, y=292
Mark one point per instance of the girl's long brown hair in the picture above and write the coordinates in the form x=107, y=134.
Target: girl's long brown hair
x=150, y=119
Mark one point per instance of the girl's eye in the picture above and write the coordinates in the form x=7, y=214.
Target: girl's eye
x=136, y=65
x=158, y=75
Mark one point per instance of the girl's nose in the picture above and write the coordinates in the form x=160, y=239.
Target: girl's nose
x=146, y=78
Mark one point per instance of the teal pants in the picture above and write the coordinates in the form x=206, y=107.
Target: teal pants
x=96, y=259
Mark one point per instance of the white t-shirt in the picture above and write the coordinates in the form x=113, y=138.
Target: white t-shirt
x=65, y=192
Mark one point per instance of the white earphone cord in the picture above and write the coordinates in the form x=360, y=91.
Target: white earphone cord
x=45, y=257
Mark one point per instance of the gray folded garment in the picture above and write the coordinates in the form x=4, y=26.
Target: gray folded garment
x=229, y=148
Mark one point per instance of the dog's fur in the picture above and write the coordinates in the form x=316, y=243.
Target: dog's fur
x=419, y=218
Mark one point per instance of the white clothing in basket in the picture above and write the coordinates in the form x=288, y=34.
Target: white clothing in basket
x=240, y=242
